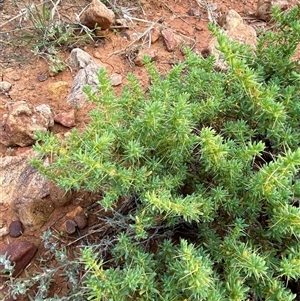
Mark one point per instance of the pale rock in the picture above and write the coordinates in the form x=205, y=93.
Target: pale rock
x=245, y=34
x=66, y=119
x=145, y=52
x=230, y=20
x=87, y=75
x=21, y=122
x=264, y=8
x=5, y=86
x=4, y=231
x=79, y=58
x=236, y=30
x=116, y=79
x=97, y=15
x=44, y=110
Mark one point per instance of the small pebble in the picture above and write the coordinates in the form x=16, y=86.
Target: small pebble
x=194, y=12
x=16, y=229
x=116, y=79
x=70, y=226
x=81, y=221
x=5, y=86
x=42, y=77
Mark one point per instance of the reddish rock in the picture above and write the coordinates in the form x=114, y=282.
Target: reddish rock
x=20, y=253
x=81, y=221
x=66, y=119
x=16, y=229
x=22, y=121
x=170, y=39
x=155, y=35
x=97, y=15
x=70, y=226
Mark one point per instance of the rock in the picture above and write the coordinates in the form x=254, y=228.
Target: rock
x=42, y=77
x=20, y=253
x=79, y=58
x=3, y=231
x=44, y=109
x=235, y=30
x=148, y=52
x=81, y=221
x=16, y=229
x=30, y=183
x=5, y=86
x=66, y=119
x=33, y=212
x=70, y=226
x=76, y=211
x=97, y=15
x=58, y=88
x=22, y=121
x=230, y=20
x=87, y=75
x=194, y=12
x=18, y=178
x=58, y=196
x=264, y=8
x=245, y=34
x=116, y=79
x=155, y=35
x=28, y=197
x=170, y=39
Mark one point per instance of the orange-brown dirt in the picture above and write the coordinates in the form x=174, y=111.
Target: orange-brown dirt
x=24, y=70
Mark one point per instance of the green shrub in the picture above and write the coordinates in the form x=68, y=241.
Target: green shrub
x=209, y=162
